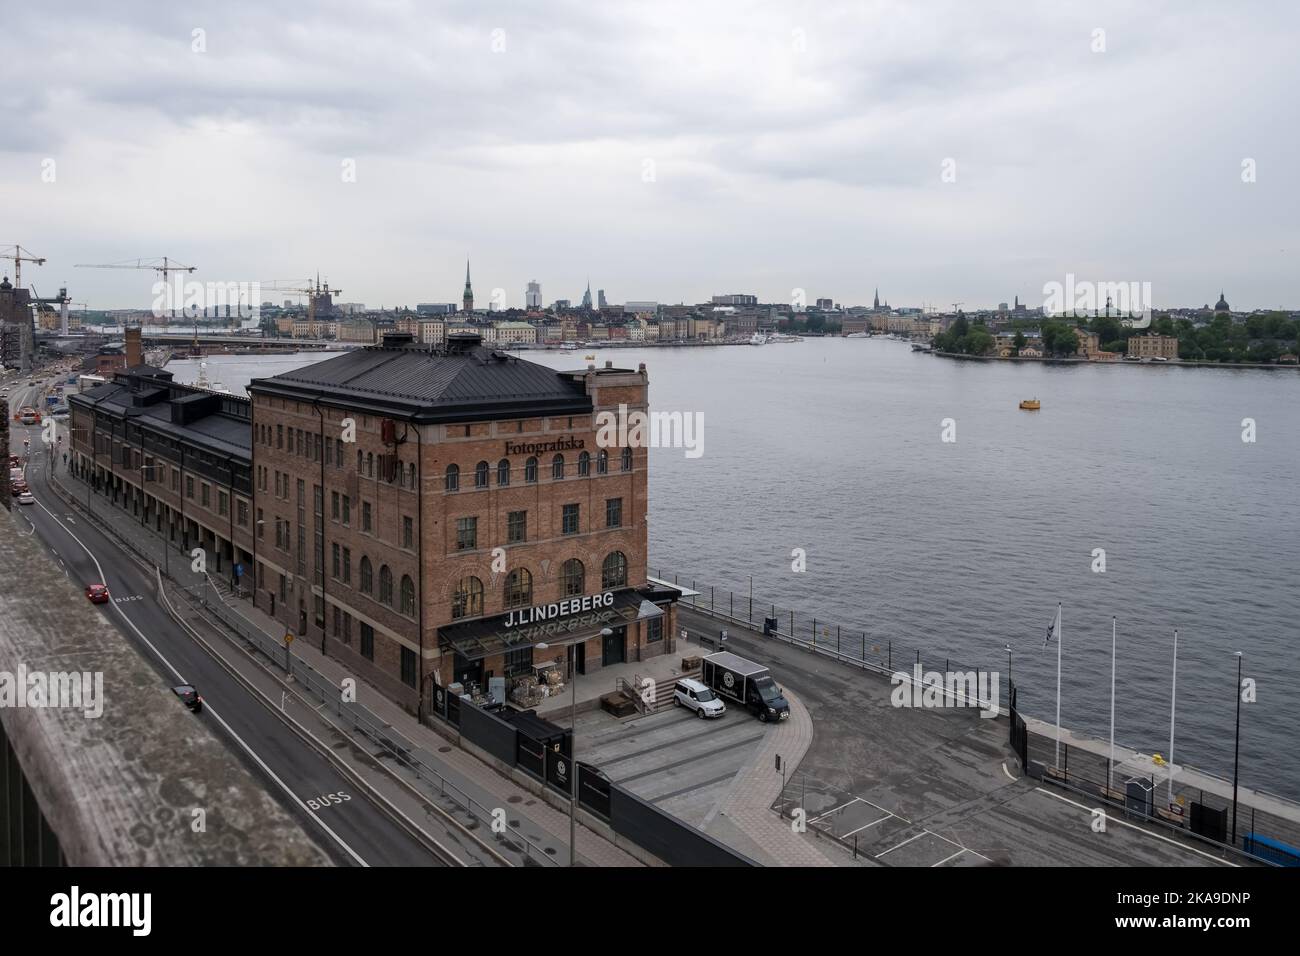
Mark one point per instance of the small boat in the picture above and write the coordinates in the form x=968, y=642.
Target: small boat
x=758, y=338
x=1031, y=404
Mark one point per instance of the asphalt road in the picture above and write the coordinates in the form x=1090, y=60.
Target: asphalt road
x=355, y=831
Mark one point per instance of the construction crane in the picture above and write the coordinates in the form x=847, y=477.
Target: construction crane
x=956, y=306
x=313, y=292
x=162, y=264
x=18, y=259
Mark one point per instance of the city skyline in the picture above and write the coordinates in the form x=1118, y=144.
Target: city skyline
x=970, y=155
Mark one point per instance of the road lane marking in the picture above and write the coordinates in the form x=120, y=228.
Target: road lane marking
x=230, y=730
x=1113, y=819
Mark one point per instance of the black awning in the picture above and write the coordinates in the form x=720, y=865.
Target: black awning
x=485, y=637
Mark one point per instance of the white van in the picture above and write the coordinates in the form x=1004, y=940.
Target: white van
x=695, y=696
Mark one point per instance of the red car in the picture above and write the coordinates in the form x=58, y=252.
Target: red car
x=18, y=487
x=97, y=593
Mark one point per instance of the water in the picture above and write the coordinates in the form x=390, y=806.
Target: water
x=961, y=548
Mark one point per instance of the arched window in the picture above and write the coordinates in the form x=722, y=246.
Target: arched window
x=360, y=461
x=408, y=595
x=370, y=465
x=627, y=459
x=467, y=600
x=557, y=466
x=519, y=588
x=481, y=475
x=613, y=573
x=602, y=462
x=530, y=469
x=453, y=478
x=584, y=464
x=385, y=586
x=503, y=472
x=401, y=474
x=367, y=576
x=573, y=576
x=410, y=472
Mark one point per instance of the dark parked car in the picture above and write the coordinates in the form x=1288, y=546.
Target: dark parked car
x=97, y=593
x=189, y=697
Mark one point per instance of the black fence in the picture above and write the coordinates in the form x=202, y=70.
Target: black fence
x=1019, y=731
x=544, y=750
x=668, y=838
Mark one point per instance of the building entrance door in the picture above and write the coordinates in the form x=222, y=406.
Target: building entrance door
x=614, y=648
x=577, y=658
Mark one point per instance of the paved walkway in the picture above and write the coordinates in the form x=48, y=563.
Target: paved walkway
x=745, y=818
x=537, y=820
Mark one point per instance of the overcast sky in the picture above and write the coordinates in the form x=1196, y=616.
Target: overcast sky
x=667, y=150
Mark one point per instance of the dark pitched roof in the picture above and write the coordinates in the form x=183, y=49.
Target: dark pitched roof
x=217, y=432
x=409, y=381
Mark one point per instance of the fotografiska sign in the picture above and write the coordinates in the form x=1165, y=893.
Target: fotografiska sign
x=540, y=447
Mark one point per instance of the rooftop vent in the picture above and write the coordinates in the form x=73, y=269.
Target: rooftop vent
x=397, y=339
x=461, y=343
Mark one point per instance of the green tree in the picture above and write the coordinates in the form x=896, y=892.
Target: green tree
x=979, y=341
x=1066, y=343
x=1019, y=341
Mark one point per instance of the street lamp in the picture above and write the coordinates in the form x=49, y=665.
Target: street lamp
x=573, y=750
x=1236, y=753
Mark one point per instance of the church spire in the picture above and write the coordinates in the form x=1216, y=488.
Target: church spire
x=467, y=301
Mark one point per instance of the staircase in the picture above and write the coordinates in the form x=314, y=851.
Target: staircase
x=662, y=698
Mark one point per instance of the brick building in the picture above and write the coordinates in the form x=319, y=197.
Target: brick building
x=470, y=517
x=1153, y=346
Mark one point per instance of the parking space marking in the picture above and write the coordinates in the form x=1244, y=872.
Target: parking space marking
x=842, y=806
x=685, y=760
x=872, y=824
x=904, y=843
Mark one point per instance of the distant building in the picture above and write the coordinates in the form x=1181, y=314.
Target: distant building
x=743, y=300
x=533, y=297
x=586, y=297
x=1154, y=346
x=600, y=300
x=436, y=308
x=467, y=300
x=561, y=304
x=826, y=305
x=1221, y=307
x=640, y=307
x=514, y=333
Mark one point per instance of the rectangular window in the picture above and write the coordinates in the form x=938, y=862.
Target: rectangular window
x=347, y=510
x=189, y=487
x=347, y=628
x=223, y=503
x=408, y=666
x=338, y=454
x=466, y=534
x=279, y=436
x=517, y=527
x=241, y=512
x=518, y=662
x=347, y=565
x=654, y=629
x=365, y=516
x=260, y=523
x=334, y=505
x=338, y=615
x=329, y=449
x=335, y=553
x=367, y=641
x=613, y=512
x=570, y=523
x=176, y=480
x=408, y=532
x=284, y=590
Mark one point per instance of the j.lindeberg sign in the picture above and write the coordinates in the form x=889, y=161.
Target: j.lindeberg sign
x=544, y=612
x=540, y=447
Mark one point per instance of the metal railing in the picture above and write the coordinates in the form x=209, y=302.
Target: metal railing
x=207, y=597
x=358, y=718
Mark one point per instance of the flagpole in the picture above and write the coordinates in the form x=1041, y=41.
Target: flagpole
x=1110, y=768
x=1058, y=683
x=1173, y=697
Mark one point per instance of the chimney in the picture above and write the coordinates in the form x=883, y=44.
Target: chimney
x=134, y=355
